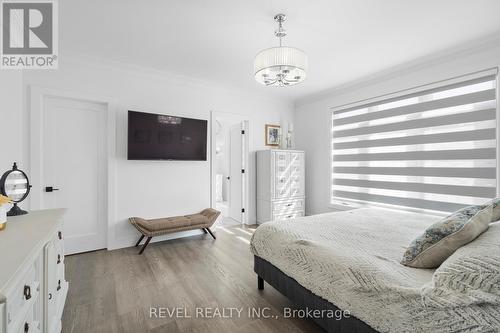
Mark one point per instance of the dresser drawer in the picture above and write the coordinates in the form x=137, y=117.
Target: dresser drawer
x=281, y=180
x=59, y=253
x=296, y=159
x=289, y=216
x=281, y=158
x=281, y=169
x=59, y=250
x=59, y=279
x=282, y=192
x=296, y=191
x=281, y=163
x=59, y=240
x=29, y=324
x=296, y=169
x=22, y=296
x=285, y=207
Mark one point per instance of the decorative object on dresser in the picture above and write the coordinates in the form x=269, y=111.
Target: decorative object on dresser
x=280, y=184
x=3, y=212
x=273, y=135
x=15, y=185
x=289, y=137
x=33, y=288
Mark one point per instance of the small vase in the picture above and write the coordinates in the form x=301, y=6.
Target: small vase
x=3, y=218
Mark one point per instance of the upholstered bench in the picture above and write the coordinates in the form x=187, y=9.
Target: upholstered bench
x=158, y=227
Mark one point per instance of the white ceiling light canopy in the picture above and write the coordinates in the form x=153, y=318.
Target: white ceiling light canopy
x=280, y=66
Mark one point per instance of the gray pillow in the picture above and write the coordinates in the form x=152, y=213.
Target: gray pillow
x=441, y=239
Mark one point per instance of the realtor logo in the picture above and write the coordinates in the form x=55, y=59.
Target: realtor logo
x=29, y=34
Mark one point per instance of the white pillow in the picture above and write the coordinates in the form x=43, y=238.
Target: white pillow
x=469, y=276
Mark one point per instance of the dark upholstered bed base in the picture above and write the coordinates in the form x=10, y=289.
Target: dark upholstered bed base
x=303, y=298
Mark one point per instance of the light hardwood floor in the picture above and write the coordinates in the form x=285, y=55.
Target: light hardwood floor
x=113, y=291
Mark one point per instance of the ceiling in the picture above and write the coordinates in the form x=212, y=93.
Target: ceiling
x=217, y=40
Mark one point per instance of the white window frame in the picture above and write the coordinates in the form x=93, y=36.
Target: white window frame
x=352, y=203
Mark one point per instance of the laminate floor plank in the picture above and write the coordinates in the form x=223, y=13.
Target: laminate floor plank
x=117, y=291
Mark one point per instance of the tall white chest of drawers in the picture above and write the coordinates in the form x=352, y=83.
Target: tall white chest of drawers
x=33, y=288
x=280, y=184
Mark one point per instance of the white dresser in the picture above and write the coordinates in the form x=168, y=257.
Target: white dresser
x=32, y=284
x=280, y=184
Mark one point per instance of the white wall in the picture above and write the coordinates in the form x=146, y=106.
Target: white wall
x=312, y=115
x=11, y=119
x=12, y=134
x=144, y=188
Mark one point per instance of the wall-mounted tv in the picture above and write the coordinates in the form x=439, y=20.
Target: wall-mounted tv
x=162, y=137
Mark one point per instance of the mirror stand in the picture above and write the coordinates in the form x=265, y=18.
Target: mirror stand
x=15, y=210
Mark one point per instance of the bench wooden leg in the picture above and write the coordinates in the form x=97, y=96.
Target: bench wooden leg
x=145, y=244
x=211, y=233
x=260, y=283
x=139, y=241
x=204, y=231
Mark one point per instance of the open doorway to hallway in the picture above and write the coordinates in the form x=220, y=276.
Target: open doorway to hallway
x=229, y=167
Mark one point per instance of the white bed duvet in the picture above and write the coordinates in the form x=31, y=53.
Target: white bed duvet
x=351, y=259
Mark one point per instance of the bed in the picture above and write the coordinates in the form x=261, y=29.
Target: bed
x=350, y=261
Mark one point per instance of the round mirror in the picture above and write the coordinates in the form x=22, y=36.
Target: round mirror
x=15, y=185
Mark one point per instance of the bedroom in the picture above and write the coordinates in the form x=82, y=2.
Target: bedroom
x=379, y=122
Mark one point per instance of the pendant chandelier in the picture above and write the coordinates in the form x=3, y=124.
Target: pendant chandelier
x=280, y=66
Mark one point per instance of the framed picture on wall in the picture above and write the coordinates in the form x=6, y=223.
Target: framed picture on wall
x=273, y=135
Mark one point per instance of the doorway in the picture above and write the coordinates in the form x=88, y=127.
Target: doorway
x=70, y=167
x=229, y=167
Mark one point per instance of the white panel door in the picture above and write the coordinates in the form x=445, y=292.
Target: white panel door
x=74, y=165
x=235, y=167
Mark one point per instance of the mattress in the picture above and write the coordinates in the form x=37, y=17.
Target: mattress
x=304, y=299
x=351, y=259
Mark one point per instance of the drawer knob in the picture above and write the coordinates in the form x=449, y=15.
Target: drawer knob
x=50, y=295
x=59, y=234
x=26, y=327
x=58, y=258
x=27, y=292
x=58, y=285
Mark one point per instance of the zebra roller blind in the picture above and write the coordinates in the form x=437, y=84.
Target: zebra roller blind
x=432, y=150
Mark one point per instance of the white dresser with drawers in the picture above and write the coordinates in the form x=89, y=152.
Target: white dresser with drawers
x=280, y=184
x=33, y=288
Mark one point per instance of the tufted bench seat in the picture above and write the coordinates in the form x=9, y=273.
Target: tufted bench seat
x=157, y=227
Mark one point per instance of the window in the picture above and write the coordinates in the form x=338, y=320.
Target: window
x=434, y=149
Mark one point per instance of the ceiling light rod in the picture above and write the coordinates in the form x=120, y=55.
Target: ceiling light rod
x=280, y=33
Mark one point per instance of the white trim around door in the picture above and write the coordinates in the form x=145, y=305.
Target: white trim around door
x=245, y=159
x=38, y=96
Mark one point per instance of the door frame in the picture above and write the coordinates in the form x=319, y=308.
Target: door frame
x=36, y=107
x=238, y=127
x=245, y=192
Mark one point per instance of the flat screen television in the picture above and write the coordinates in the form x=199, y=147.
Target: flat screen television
x=161, y=137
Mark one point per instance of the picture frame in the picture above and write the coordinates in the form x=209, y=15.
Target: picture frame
x=273, y=135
